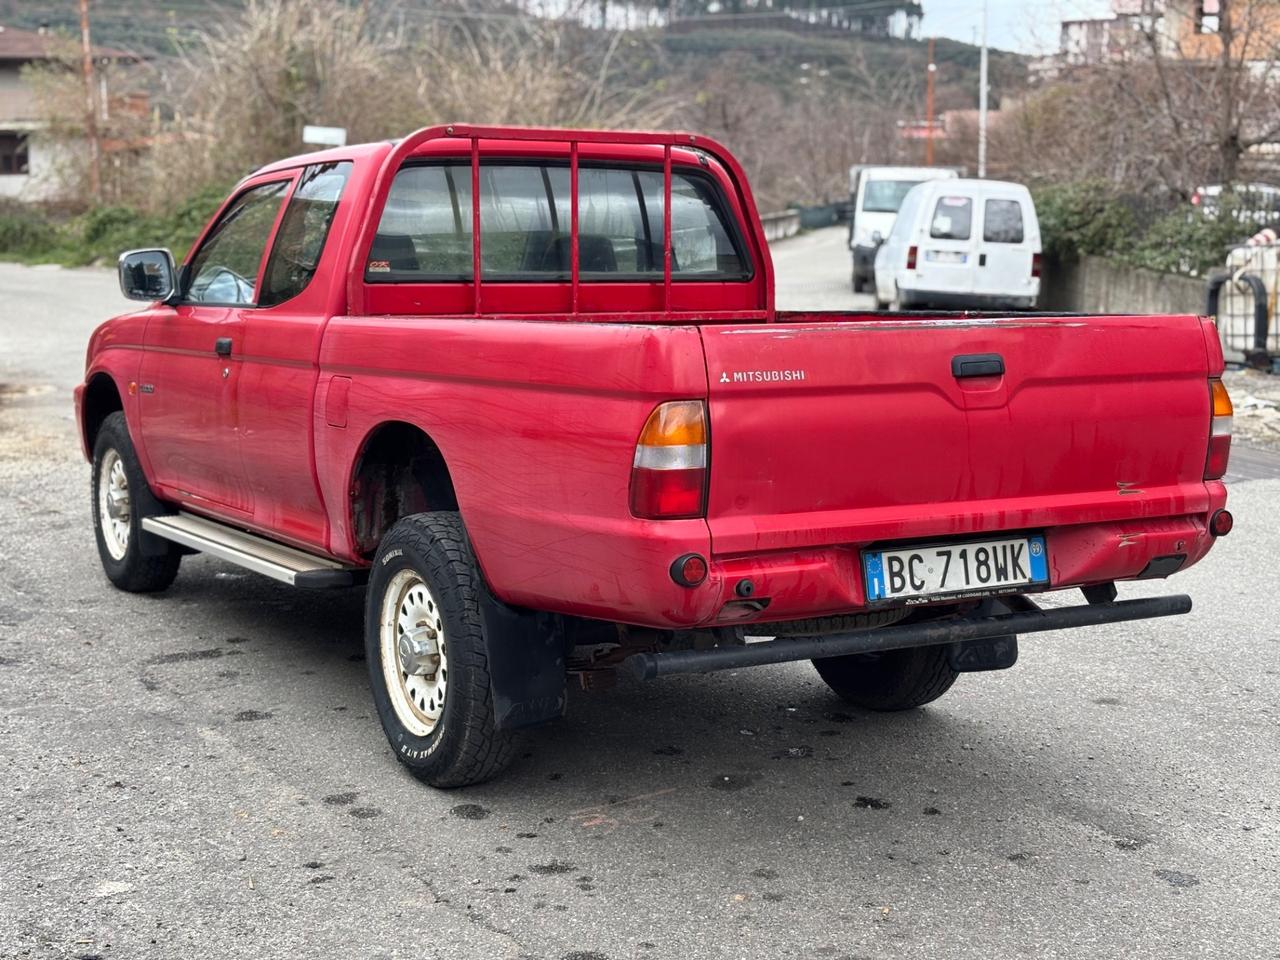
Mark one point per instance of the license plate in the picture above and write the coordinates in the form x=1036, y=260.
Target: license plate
x=946, y=256
x=947, y=569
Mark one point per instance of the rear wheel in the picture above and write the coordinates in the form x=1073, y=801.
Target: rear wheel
x=118, y=485
x=428, y=665
x=892, y=680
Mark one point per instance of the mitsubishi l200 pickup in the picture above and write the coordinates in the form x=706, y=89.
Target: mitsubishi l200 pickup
x=530, y=388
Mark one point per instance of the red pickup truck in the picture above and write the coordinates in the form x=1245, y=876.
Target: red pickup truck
x=532, y=388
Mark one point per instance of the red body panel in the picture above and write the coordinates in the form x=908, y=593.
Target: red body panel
x=828, y=432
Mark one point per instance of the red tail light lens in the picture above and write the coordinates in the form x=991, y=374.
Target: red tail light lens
x=911, y=258
x=1037, y=264
x=1215, y=466
x=669, y=472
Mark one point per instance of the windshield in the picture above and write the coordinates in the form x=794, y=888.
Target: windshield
x=885, y=196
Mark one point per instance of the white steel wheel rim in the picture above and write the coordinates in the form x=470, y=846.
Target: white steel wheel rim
x=115, y=512
x=417, y=678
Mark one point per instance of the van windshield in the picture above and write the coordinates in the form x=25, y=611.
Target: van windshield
x=885, y=196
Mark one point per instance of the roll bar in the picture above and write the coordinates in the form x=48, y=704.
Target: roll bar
x=574, y=138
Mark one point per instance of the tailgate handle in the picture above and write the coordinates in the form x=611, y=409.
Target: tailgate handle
x=977, y=365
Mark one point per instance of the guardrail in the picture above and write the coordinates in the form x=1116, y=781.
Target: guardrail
x=779, y=226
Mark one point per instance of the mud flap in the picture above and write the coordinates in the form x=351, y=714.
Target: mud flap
x=526, y=654
x=975, y=656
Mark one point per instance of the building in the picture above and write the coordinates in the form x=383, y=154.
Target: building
x=1183, y=29
x=28, y=162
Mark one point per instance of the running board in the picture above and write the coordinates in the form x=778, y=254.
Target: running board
x=275, y=560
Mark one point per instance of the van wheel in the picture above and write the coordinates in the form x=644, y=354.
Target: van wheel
x=891, y=680
x=118, y=484
x=428, y=666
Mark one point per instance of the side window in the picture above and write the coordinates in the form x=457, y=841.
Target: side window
x=952, y=219
x=425, y=231
x=1002, y=221
x=225, y=268
x=303, y=231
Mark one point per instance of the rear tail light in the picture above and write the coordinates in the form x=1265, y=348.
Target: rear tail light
x=1037, y=264
x=911, y=258
x=1219, y=432
x=669, y=472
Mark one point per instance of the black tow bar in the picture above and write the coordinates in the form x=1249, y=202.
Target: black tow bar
x=649, y=666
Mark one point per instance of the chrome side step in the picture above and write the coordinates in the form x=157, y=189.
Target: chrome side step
x=275, y=560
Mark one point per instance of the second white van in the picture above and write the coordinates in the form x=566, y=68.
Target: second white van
x=959, y=244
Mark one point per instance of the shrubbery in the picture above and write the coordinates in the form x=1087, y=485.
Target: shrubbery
x=1092, y=219
x=33, y=235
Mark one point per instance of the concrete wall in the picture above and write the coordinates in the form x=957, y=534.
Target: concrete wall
x=1098, y=285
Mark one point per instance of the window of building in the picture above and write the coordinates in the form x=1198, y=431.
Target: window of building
x=14, y=158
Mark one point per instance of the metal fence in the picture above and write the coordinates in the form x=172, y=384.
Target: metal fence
x=1246, y=304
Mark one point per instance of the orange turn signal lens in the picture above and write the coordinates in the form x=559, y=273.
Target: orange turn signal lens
x=680, y=423
x=1221, y=399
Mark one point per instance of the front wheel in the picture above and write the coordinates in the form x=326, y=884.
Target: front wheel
x=117, y=487
x=891, y=680
x=428, y=665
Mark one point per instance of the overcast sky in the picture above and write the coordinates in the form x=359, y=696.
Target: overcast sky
x=1028, y=26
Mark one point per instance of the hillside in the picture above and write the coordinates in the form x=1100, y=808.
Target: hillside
x=163, y=27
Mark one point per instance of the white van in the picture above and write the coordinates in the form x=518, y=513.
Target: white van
x=875, y=194
x=962, y=243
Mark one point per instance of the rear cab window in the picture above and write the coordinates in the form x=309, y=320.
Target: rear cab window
x=1002, y=221
x=952, y=218
x=425, y=234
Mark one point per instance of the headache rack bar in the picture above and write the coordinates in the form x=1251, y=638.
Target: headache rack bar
x=574, y=138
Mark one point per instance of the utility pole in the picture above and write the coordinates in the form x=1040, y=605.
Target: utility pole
x=982, y=99
x=928, y=108
x=91, y=109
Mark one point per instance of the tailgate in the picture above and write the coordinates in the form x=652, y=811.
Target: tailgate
x=842, y=431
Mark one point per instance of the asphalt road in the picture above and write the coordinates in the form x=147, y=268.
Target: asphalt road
x=200, y=774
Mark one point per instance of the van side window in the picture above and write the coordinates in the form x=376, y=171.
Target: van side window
x=425, y=232
x=952, y=219
x=1002, y=221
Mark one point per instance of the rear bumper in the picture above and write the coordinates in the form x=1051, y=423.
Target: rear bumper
x=792, y=585
x=948, y=300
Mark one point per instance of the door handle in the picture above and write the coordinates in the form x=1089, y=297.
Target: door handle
x=223, y=346
x=982, y=259
x=977, y=365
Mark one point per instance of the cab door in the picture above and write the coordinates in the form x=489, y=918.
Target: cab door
x=189, y=380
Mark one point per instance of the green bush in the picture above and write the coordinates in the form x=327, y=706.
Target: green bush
x=1191, y=242
x=1084, y=218
x=33, y=235
x=23, y=230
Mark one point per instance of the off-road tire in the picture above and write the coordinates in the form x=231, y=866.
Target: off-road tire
x=892, y=680
x=134, y=571
x=463, y=747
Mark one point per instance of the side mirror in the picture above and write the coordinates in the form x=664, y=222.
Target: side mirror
x=877, y=237
x=148, y=275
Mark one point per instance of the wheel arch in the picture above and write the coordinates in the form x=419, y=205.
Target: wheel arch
x=101, y=399
x=398, y=470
